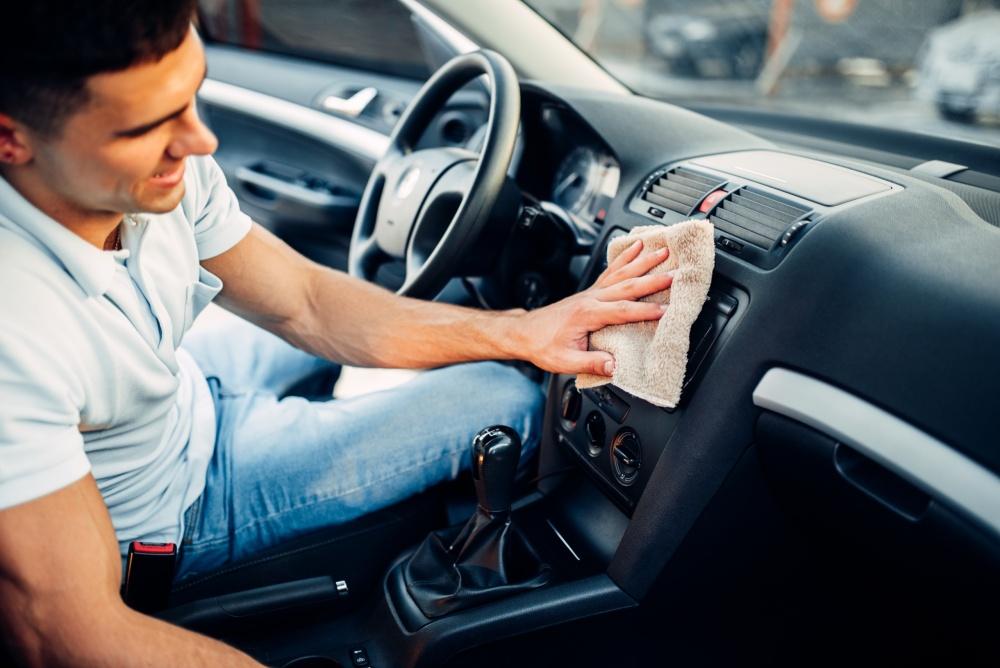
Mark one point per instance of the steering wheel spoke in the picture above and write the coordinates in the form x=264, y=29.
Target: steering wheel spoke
x=370, y=255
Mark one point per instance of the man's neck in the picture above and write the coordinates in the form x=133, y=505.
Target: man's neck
x=95, y=227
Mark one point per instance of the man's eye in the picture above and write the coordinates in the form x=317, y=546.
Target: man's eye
x=132, y=134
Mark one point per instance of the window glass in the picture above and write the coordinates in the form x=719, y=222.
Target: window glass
x=930, y=66
x=376, y=35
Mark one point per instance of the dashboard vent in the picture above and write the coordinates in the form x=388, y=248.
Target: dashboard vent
x=680, y=189
x=755, y=217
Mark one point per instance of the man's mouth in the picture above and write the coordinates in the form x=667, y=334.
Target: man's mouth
x=168, y=178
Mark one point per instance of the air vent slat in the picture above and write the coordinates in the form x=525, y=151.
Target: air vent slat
x=777, y=227
x=699, y=178
x=743, y=200
x=737, y=226
x=680, y=189
x=673, y=205
x=756, y=217
x=700, y=185
x=672, y=187
x=767, y=200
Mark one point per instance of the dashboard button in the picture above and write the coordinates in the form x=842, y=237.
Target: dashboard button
x=609, y=402
x=726, y=305
x=728, y=244
x=656, y=213
x=711, y=199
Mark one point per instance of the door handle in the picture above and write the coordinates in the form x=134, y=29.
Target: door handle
x=352, y=106
x=880, y=483
x=272, y=189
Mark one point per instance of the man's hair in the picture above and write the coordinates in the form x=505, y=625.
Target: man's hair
x=51, y=47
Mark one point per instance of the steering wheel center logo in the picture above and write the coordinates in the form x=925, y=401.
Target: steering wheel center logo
x=408, y=182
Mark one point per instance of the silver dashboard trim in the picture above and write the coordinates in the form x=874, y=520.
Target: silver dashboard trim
x=329, y=129
x=942, y=472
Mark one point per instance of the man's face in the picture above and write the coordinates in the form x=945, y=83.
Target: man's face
x=124, y=151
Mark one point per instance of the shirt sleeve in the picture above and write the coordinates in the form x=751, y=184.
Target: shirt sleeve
x=41, y=448
x=218, y=222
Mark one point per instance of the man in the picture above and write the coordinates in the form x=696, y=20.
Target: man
x=116, y=229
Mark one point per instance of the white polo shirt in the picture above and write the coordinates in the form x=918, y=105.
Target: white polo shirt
x=91, y=378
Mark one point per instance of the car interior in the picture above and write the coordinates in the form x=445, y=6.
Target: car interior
x=827, y=489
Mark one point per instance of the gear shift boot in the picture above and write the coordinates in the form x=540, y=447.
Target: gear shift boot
x=488, y=558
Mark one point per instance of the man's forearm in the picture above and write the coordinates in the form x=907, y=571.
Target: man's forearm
x=355, y=322
x=124, y=637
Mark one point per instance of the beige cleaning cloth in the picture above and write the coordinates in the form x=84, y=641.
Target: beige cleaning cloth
x=651, y=357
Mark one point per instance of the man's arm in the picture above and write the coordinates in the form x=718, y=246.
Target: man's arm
x=336, y=316
x=59, y=603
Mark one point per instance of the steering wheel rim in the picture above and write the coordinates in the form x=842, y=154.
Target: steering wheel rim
x=405, y=208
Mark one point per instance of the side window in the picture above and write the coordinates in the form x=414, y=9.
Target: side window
x=376, y=35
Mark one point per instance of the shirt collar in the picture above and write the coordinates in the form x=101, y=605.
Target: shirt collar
x=92, y=268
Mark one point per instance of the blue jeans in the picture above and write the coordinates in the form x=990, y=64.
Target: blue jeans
x=283, y=467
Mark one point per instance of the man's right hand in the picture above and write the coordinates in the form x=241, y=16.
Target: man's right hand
x=60, y=574
x=555, y=337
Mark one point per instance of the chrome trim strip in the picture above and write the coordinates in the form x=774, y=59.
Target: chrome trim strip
x=562, y=540
x=944, y=473
x=329, y=129
x=456, y=40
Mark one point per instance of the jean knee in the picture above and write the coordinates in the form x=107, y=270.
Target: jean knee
x=519, y=400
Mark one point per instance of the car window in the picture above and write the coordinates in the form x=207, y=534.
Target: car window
x=931, y=66
x=376, y=35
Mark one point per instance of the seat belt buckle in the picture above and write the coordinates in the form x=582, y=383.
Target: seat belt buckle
x=149, y=575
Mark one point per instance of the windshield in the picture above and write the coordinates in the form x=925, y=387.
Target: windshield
x=930, y=66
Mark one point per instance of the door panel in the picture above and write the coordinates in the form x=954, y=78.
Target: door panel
x=298, y=172
x=298, y=160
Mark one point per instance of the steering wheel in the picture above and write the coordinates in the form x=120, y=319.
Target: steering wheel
x=428, y=208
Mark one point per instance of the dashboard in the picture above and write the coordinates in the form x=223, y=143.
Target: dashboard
x=846, y=342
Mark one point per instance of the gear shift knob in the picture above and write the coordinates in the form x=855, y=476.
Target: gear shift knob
x=496, y=452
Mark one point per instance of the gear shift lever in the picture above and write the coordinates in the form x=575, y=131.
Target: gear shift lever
x=496, y=452
x=488, y=557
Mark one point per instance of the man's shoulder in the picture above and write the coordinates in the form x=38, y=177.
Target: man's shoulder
x=22, y=259
x=202, y=175
x=34, y=289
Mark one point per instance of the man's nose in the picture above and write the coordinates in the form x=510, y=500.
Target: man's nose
x=193, y=137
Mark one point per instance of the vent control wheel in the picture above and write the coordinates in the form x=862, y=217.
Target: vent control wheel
x=626, y=456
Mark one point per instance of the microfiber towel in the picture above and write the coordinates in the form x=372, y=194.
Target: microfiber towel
x=651, y=357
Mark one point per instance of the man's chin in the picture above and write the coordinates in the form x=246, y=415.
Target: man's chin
x=161, y=203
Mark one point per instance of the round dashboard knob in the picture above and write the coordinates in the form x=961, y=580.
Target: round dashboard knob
x=626, y=456
x=570, y=408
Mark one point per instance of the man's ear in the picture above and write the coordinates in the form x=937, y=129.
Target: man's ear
x=15, y=145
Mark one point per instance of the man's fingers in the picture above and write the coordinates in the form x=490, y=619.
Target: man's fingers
x=621, y=312
x=591, y=361
x=623, y=259
x=636, y=267
x=635, y=288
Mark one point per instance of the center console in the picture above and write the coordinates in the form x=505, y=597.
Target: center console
x=617, y=438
